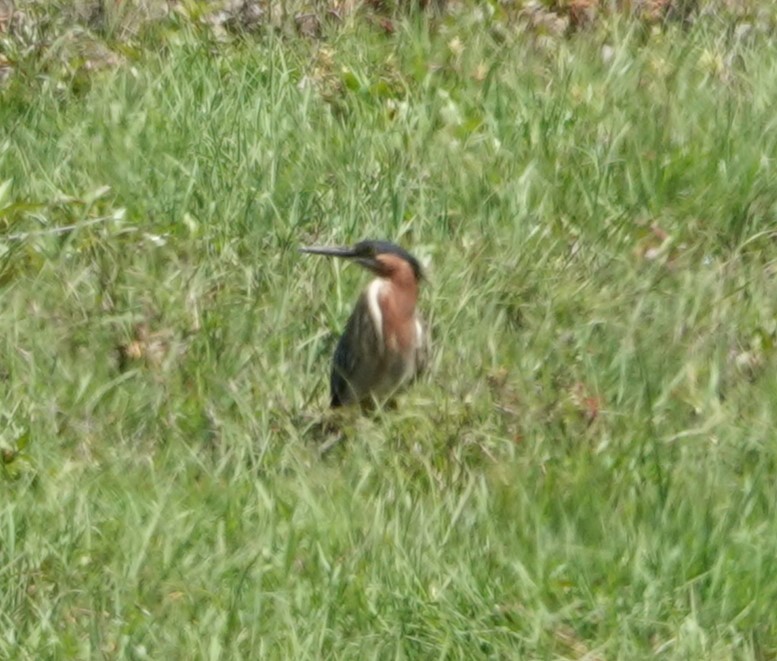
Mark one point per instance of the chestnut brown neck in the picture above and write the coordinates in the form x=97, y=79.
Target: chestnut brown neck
x=402, y=293
x=398, y=297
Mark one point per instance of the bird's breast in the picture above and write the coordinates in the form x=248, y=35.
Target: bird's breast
x=397, y=334
x=398, y=317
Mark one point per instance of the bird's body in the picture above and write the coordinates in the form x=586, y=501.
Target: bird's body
x=382, y=348
x=385, y=342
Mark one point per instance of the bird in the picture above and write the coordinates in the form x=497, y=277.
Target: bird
x=385, y=344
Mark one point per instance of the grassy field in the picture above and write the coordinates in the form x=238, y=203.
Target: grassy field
x=588, y=472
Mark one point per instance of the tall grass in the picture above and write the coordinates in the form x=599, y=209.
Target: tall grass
x=588, y=470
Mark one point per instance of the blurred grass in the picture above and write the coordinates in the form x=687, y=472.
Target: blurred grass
x=588, y=472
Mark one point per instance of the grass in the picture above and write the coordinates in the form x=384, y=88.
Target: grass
x=589, y=470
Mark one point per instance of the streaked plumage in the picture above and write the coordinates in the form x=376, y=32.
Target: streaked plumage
x=385, y=344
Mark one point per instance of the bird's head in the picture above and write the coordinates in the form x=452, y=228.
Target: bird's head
x=383, y=258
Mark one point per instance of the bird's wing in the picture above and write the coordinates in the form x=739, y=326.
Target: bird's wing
x=356, y=357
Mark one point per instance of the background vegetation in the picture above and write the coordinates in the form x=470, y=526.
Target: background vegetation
x=588, y=472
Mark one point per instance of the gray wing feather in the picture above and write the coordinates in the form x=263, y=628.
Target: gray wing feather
x=355, y=356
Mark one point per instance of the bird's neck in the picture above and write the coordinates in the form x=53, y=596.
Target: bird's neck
x=400, y=296
x=396, y=302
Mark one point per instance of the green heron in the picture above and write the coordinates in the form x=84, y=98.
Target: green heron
x=385, y=343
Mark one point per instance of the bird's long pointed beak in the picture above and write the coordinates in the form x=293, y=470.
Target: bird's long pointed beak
x=329, y=251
